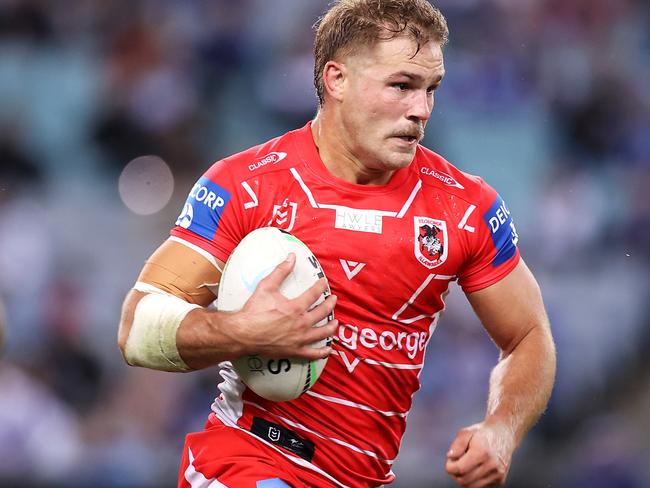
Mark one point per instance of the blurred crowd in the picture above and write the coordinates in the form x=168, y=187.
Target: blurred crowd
x=548, y=100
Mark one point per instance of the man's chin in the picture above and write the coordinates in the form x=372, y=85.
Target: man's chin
x=399, y=160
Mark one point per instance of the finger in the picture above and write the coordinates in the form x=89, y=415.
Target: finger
x=492, y=473
x=308, y=352
x=280, y=273
x=317, y=334
x=475, y=474
x=488, y=481
x=321, y=311
x=468, y=463
x=310, y=296
x=460, y=444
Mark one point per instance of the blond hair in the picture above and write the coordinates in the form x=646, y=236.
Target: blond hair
x=352, y=24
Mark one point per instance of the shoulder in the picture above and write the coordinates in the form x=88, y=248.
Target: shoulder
x=268, y=157
x=436, y=172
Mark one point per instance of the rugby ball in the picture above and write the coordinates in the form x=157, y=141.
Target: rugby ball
x=277, y=379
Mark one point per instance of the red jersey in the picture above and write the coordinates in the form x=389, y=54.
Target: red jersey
x=389, y=253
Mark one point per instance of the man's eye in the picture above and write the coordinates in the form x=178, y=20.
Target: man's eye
x=401, y=86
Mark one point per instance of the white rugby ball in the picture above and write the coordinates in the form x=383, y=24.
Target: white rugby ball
x=277, y=379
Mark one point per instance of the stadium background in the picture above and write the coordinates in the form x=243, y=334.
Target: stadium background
x=547, y=99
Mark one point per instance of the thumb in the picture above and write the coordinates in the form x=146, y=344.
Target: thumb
x=277, y=276
x=460, y=444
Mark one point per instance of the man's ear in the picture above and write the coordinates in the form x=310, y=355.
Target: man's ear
x=334, y=78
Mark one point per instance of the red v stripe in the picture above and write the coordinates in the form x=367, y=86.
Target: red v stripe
x=351, y=268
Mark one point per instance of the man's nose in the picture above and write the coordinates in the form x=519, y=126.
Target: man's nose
x=421, y=106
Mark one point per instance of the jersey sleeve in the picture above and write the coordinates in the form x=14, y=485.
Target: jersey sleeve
x=212, y=217
x=493, y=252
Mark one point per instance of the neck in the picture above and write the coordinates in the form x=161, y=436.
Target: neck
x=330, y=139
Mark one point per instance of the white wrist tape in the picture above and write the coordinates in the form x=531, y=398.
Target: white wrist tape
x=152, y=338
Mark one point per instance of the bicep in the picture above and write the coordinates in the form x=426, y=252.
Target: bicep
x=510, y=308
x=183, y=271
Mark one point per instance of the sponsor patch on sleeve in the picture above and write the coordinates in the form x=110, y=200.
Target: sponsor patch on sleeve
x=203, y=208
x=502, y=228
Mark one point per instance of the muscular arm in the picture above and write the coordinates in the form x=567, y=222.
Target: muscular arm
x=269, y=324
x=513, y=313
x=520, y=385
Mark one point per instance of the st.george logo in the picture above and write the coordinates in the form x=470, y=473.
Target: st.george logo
x=430, y=241
x=430, y=244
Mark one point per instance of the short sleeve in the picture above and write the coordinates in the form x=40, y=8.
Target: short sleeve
x=493, y=252
x=211, y=217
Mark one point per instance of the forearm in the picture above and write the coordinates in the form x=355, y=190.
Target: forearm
x=159, y=330
x=163, y=332
x=204, y=339
x=521, y=383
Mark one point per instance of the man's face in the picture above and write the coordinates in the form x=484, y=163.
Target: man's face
x=387, y=100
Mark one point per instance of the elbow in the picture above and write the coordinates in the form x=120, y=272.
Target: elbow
x=122, y=338
x=540, y=345
x=546, y=341
x=121, y=341
x=147, y=331
x=538, y=335
x=125, y=325
x=551, y=352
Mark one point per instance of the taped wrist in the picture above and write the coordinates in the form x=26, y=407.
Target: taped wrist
x=152, y=338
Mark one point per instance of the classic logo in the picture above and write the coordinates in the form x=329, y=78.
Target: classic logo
x=430, y=241
x=270, y=158
x=444, y=177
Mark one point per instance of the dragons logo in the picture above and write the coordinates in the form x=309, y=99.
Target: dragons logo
x=430, y=241
x=430, y=245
